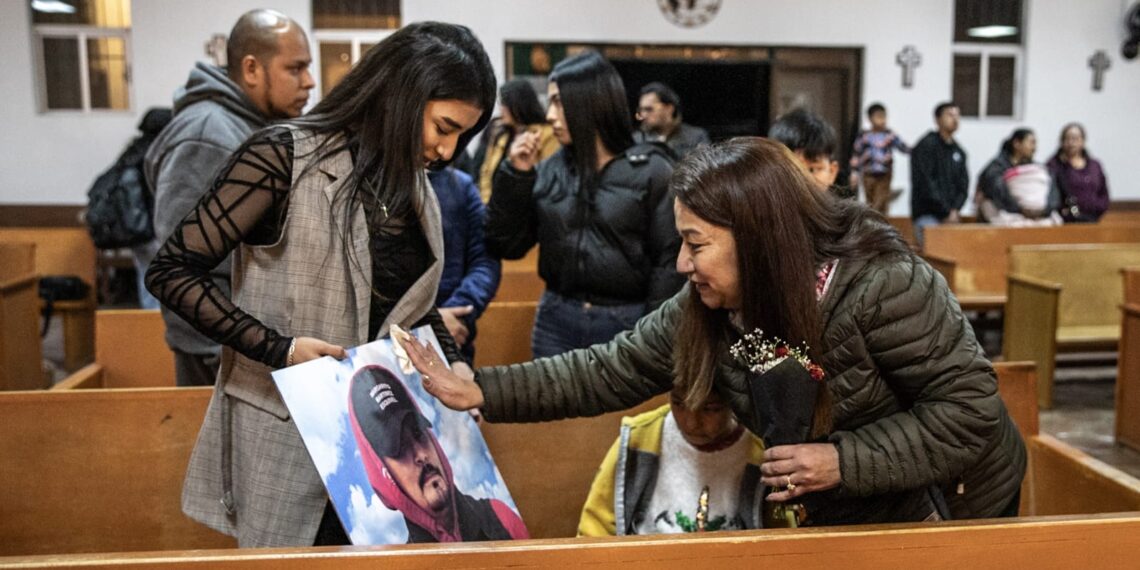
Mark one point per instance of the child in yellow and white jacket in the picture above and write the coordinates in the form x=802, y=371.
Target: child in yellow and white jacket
x=651, y=479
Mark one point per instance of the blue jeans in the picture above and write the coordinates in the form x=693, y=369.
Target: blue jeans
x=563, y=324
x=920, y=224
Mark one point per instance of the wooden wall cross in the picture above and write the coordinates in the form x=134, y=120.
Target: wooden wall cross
x=908, y=58
x=1099, y=63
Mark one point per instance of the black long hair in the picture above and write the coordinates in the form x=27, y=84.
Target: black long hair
x=593, y=99
x=519, y=97
x=1017, y=136
x=380, y=104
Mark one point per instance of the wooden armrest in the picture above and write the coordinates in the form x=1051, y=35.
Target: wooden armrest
x=90, y=376
x=18, y=283
x=1131, y=309
x=1033, y=282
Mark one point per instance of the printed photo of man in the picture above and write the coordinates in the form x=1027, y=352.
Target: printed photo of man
x=409, y=470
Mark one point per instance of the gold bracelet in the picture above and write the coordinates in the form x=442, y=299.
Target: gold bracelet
x=292, y=347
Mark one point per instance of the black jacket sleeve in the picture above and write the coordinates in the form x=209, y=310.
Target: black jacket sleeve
x=512, y=229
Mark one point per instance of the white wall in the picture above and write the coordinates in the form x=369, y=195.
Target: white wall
x=51, y=159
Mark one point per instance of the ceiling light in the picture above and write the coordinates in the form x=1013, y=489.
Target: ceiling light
x=53, y=6
x=992, y=31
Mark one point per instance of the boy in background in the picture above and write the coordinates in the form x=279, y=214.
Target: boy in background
x=873, y=157
x=813, y=141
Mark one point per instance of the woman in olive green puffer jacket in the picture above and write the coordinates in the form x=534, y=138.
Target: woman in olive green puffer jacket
x=913, y=403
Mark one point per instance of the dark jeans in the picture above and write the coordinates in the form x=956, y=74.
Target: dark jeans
x=563, y=324
x=195, y=369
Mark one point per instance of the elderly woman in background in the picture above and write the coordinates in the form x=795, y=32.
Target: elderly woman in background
x=1080, y=177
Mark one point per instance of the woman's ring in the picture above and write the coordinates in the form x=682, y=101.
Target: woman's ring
x=791, y=486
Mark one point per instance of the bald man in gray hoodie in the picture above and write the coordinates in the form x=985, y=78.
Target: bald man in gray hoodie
x=266, y=79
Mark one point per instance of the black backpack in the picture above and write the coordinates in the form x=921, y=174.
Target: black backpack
x=119, y=203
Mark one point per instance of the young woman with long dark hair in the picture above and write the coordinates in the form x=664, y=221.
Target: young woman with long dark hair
x=1015, y=191
x=599, y=210
x=519, y=112
x=337, y=235
x=910, y=415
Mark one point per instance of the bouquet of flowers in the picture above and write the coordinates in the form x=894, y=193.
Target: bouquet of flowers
x=784, y=384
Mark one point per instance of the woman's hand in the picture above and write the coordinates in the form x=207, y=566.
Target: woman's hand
x=307, y=348
x=523, y=153
x=455, y=388
x=455, y=326
x=801, y=469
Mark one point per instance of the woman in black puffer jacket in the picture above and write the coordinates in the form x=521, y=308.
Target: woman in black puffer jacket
x=599, y=209
x=911, y=426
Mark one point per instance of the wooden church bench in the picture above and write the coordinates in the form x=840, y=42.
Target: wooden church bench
x=504, y=333
x=1088, y=294
x=1128, y=379
x=978, y=253
x=101, y=471
x=520, y=280
x=66, y=251
x=21, y=354
x=130, y=352
x=1106, y=542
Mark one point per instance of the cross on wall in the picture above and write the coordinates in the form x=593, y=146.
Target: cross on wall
x=908, y=58
x=1099, y=63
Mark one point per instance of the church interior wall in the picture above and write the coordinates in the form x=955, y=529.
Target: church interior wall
x=52, y=158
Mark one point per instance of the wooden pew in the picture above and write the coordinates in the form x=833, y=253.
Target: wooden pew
x=978, y=253
x=130, y=352
x=1106, y=542
x=504, y=333
x=21, y=356
x=520, y=280
x=99, y=471
x=1063, y=298
x=1127, y=427
x=1088, y=316
x=1121, y=216
x=66, y=251
x=905, y=226
x=1131, y=284
x=569, y=452
x=1030, y=318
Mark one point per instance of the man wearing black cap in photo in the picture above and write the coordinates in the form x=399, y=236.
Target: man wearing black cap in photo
x=409, y=471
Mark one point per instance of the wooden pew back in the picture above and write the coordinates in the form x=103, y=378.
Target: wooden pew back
x=1029, y=329
x=59, y=251
x=1017, y=383
x=99, y=470
x=504, y=333
x=550, y=466
x=21, y=354
x=1128, y=379
x=1131, y=284
x=979, y=251
x=1088, y=274
x=1108, y=542
x=905, y=226
x=17, y=259
x=520, y=280
x=131, y=347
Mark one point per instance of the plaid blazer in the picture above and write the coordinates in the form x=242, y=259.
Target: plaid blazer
x=250, y=475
